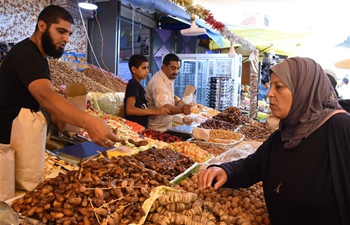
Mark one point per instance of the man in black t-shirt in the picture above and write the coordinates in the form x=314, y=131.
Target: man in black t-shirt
x=25, y=80
x=135, y=102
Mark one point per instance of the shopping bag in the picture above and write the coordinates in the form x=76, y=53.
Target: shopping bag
x=28, y=138
x=7, y=172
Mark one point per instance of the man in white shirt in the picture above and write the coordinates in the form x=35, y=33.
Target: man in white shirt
x=160, y=93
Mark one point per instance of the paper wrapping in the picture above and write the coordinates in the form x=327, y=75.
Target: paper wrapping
x=28, y=138
x=7, y=172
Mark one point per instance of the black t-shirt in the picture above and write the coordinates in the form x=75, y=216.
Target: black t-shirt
x=22, y=65
x=134, y=88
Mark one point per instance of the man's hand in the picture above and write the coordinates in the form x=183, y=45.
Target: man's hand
x=186, y=109
x=163, y=111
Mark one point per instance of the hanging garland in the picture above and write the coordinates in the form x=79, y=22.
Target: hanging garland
x=208, y=17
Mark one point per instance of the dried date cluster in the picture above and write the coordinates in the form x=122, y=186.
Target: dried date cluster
x=255, y=131
x=167, y=162
x=217, y=124
x=188, y=209
x=232, y=115
x=102, y=191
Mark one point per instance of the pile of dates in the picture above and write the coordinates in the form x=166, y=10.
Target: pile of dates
x=167, y=162
x=102, y=191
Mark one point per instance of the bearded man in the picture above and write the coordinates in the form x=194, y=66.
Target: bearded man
x=25, y=80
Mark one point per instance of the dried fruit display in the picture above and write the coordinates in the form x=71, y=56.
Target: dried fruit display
x=187, y=208
x=213, y=150
x=196, y=153
x=167, y=162
x=248, y=204
x=160, y=136
x=217, y=124
x=255, y=131
x=102, y=191
x=232, y=115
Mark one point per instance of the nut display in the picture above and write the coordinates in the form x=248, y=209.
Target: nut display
x=104, y=78
x=62, y=74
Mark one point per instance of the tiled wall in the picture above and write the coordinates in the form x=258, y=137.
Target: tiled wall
x=18, y=19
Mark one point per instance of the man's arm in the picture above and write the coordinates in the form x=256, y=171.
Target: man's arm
x=185, y=109
x=134, y=111
x=43, y=91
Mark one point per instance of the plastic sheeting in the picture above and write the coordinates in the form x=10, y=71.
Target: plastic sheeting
x=172, y=9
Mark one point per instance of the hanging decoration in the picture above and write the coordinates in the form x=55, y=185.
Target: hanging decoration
x=208, y=17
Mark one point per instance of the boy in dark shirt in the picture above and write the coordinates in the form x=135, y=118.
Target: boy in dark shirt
x=135, y=102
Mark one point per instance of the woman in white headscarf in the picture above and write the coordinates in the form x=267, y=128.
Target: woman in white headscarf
x=305, y=164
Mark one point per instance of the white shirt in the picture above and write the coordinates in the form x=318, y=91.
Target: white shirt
x=159, y=92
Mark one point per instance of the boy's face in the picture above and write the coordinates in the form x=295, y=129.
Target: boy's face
x=141, y=72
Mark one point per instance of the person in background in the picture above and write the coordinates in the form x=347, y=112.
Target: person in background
x=135, y=102
x=305, y=164
x=332, y=76
x=25, y=80
x=160, y=93
x=344, y=89
x=263, y=89
x=344, y=103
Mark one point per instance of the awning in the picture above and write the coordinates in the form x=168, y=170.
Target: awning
x=169, y=8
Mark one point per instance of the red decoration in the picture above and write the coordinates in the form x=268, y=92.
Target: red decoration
x=217, y=25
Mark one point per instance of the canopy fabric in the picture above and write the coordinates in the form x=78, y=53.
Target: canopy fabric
x=282, y=42
x=169, y=8
x=344, y=64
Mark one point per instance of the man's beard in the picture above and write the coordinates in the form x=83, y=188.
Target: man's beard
x=49, y=46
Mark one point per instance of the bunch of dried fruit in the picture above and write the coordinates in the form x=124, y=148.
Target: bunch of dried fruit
x=102, y=191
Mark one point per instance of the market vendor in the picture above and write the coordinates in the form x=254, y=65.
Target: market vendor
x=25, y=80
x=160, y=93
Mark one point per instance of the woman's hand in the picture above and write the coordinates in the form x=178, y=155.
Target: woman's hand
x=210, y=175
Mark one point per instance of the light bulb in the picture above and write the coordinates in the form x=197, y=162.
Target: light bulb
x=87, y=5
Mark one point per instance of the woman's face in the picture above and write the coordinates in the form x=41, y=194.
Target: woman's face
x=280, y=97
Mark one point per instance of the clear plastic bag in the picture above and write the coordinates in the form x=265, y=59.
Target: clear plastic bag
x=233, y=154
